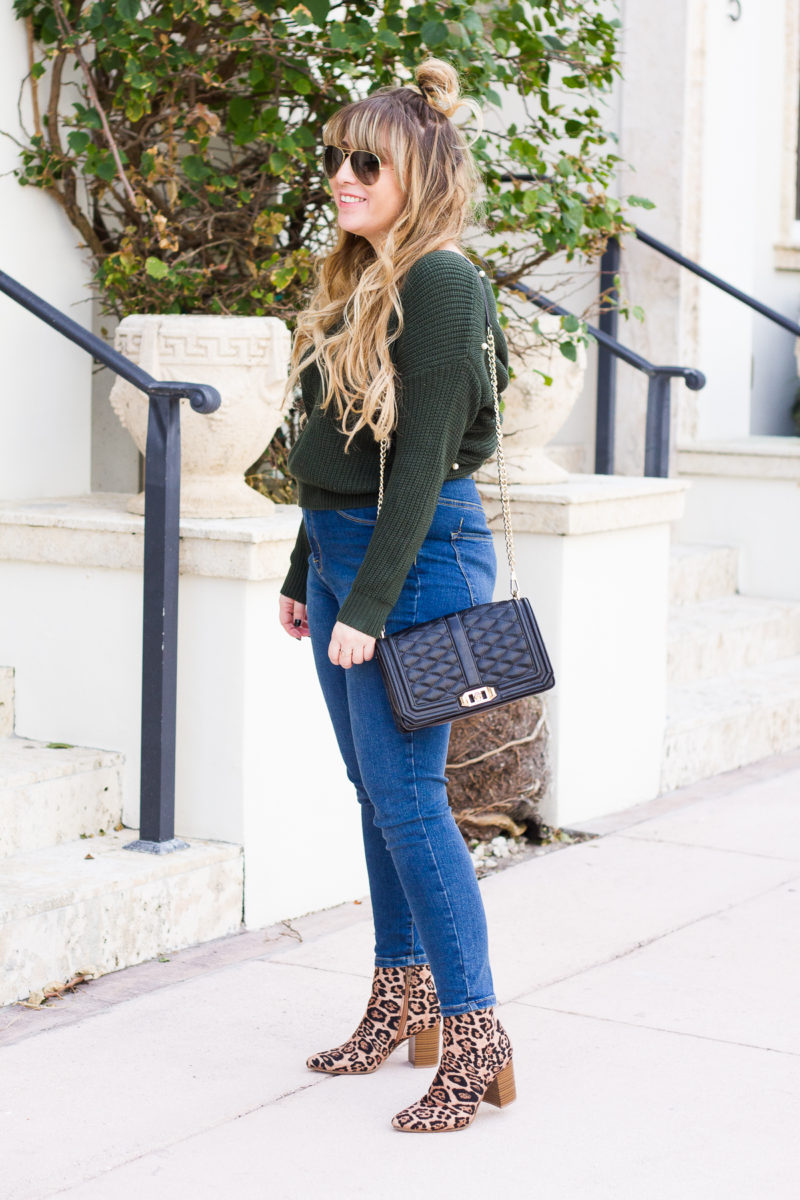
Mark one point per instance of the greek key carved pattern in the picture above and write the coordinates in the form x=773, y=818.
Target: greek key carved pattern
x=191, y=348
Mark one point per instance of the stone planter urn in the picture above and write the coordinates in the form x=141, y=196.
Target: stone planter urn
x=535, y=411
x=246, y=358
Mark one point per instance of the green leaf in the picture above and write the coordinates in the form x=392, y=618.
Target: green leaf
x=89, y=117
x=338, y=37
x=640, y=202
x=105, y=168
x=569, y=351
x=194, y=168
x=434, y=33
x=128, y=9
x=240, y=110
x=319, y=11
x=78, y=141
x=155, y=268
x=472, y=20
x=570, y=323
x=282, y=276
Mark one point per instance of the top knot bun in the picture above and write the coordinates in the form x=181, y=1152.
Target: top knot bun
x=438, y=82
x=439, y=85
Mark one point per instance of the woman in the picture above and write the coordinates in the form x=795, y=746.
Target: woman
x=393, y=345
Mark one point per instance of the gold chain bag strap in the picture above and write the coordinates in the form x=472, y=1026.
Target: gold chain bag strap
x=475, y=659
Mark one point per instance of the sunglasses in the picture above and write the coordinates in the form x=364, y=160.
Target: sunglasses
x=366, y=165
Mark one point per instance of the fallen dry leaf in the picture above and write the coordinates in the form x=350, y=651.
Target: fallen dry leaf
x=55, y=990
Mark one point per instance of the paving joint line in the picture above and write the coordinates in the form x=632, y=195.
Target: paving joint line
x=602, y=962
x=166, y=1146
x=705, y=1037
x=659, y=841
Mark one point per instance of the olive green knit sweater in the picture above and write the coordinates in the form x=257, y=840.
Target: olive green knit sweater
x=445, y=430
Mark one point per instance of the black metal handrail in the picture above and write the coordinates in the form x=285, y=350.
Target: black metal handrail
x=606, y=384
x=656, y=459
x=657, y=429
x=161, y=548
x=770, y=313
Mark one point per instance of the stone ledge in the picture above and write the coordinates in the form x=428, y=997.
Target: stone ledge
x=61, y=913
x=98, y=531
x=588, y=504
x=742, y=458
x=25, y=761
x=786, y=256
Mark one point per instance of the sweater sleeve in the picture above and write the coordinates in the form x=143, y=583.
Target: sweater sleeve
x=441, y=392
x=294, y=585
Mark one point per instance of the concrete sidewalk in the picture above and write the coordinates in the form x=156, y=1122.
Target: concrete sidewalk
x=649, y=980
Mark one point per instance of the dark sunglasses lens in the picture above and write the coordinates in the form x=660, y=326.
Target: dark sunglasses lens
x=332, y=159
x=366, y=166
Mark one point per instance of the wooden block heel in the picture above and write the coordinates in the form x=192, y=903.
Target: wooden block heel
x=502, y=1090
x=423, y=1048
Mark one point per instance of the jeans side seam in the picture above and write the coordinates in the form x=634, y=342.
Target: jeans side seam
x=424, y=826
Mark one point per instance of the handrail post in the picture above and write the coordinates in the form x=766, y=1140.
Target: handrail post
x=607, y=362
x=656, y=451
x=160, y=624
x=161, y=547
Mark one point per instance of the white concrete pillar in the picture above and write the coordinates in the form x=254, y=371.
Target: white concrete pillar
x=257, y=762
x=45, y=401
x=593, y=557
x=746, y=493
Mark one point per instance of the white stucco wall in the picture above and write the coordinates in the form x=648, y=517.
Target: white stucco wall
x=778, y=98
x=45, y=438
x=708, y=131
x=749, y=360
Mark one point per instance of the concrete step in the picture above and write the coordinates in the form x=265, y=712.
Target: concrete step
x=716, y=725
x=700, y=572
x=6, y=701
x=90, y=905
x=723, y=636
x=51, y=794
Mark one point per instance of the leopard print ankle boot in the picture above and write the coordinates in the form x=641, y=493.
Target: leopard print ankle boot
x=403, y=1006
x=476, y=1065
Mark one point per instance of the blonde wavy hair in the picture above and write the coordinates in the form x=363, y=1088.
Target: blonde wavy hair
x=347, y=327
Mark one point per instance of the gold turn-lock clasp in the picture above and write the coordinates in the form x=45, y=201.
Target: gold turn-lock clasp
x=476, y=696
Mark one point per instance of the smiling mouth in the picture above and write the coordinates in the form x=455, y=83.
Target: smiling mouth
x=349, y=199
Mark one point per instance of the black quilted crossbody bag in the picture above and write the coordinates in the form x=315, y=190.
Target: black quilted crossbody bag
x=475, y=659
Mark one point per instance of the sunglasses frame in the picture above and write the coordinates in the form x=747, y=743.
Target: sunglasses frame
x=348, y=154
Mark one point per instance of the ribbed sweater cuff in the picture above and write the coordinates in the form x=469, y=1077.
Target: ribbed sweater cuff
x=364, y=613
x=294, y=585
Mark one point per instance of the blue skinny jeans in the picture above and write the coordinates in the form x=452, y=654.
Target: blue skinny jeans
x=426, y=903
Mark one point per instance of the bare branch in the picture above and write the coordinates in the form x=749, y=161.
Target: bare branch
x=37, y=119
x=67, y=31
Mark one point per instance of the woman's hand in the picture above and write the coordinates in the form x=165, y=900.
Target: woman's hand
x=350, y=647
x=293, y=617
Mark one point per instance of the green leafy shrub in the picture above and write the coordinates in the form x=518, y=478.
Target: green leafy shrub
x=181, y=137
